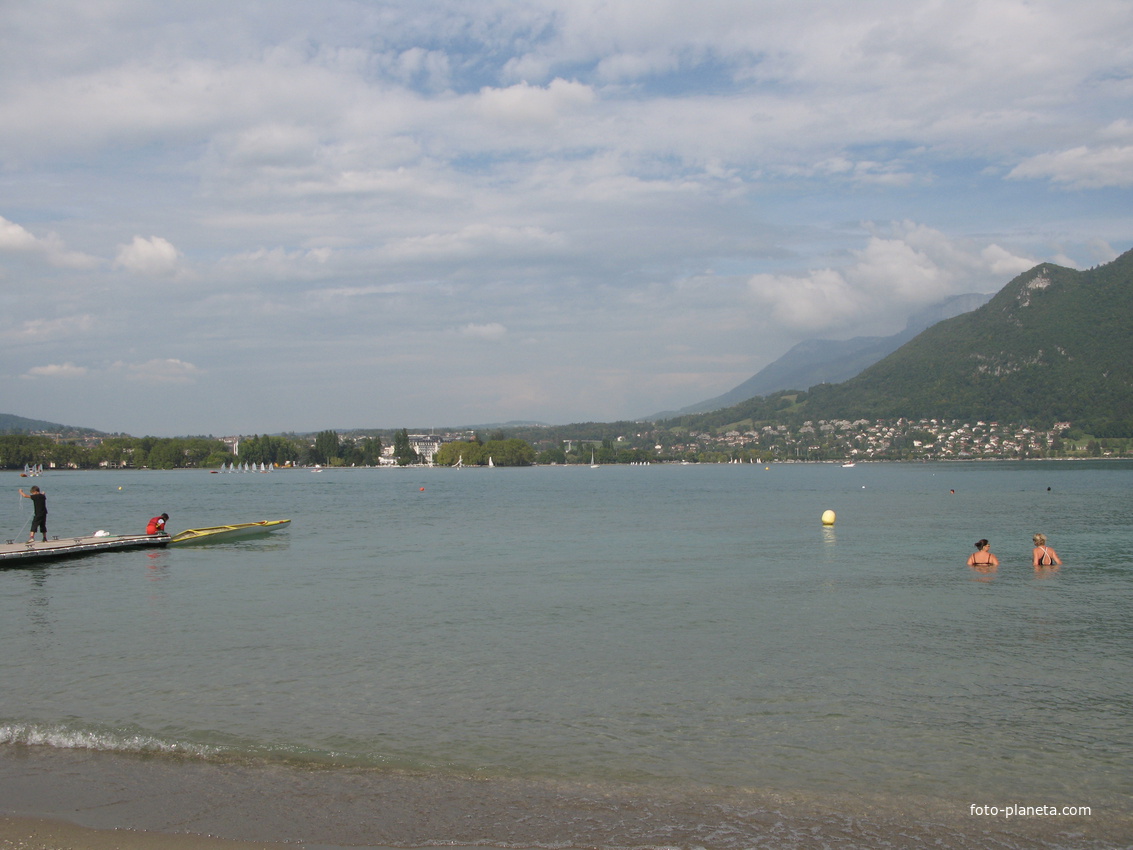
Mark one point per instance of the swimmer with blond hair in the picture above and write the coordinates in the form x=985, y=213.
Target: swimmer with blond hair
x=1043, y=555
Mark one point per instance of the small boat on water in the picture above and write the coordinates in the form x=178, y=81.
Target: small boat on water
x=224, y=533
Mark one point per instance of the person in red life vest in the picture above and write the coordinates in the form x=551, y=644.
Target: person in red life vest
x=157, y=524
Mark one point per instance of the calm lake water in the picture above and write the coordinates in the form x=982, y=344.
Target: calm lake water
x=572, y=657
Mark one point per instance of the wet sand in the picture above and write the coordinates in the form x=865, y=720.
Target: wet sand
x=41, y=834
x=83, y=800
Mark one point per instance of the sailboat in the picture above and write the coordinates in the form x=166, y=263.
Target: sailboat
x=490, y=462
x=593, y=465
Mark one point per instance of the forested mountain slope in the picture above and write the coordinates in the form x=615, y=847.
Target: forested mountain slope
x=1055, y=344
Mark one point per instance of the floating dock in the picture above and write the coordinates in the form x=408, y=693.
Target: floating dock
x=14, y=554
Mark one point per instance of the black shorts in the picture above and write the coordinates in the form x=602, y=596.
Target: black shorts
x=39, y=523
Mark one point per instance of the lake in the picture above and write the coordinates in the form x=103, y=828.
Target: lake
x=662, y=655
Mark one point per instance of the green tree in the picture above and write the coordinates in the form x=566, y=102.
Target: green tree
x=16, y=450
x=165, y=454
x=511, y=452
x=553, y=455
x=371, y=451
x=327, y=447
x=465, y=452
x=402, y=449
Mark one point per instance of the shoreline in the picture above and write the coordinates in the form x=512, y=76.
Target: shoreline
x=90, y=800
x=38, y=833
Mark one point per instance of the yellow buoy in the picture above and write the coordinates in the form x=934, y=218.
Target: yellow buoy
x=828, y=517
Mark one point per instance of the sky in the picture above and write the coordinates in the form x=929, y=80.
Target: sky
x=255, y=217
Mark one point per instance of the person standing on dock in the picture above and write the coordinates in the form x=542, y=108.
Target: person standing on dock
x=39, y=514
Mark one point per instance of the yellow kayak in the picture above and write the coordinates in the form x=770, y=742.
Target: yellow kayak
x=224, y=533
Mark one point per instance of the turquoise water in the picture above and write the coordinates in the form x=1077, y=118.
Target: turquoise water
x=658, y=633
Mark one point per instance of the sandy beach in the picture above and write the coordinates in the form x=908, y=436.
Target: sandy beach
x=41, y=834
x=66, y=800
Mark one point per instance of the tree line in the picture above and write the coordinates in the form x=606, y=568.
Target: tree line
x=500, y=452
x=20, y=450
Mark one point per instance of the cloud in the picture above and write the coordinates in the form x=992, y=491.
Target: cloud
x=153, y=257
x=167, y=371
x=66, y=370
x=490, y=332
x=523, y=104
x=57, y=328
x=1081, y=167
x=902, y=268
x=687, y=190
x=1001, y=262
x=475, y=240
x=16, y=239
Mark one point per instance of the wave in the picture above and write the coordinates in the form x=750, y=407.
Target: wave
x=63, y=737
x=221, y=748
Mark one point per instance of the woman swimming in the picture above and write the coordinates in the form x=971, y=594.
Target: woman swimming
x=1042, y=555
x=982, y=559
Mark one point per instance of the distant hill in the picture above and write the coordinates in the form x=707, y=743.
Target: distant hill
x=12, y=424
x=830, y=361
x=1055, y=344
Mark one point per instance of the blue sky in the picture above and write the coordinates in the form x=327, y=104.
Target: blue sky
x=246, y=217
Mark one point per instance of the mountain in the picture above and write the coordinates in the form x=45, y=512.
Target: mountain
x=12, y=424
x=1055, y=344
x=829, y=361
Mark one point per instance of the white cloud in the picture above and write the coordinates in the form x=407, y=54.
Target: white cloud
x=1000, y=261
x=1081, y=167
x=55, y=328
x=890, y=278
x=16, y=239
x=677, y=186
x=153, y=257
x=523, y=104
x=490, y=332
x=167, y=371
x=66, y=370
